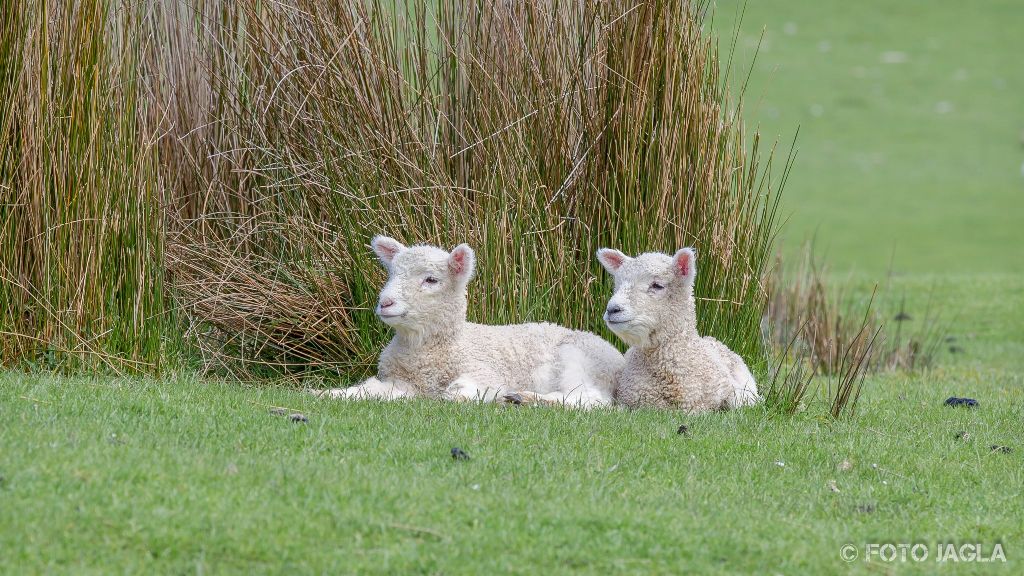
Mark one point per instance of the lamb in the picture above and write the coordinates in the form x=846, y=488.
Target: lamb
x=436, y=353
x=669, y=364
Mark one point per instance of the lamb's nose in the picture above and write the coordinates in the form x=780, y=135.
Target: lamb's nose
x=386, y=303
x=613, y=309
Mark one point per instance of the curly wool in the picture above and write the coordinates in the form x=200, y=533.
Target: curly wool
x=436, y=353
x=669, y=364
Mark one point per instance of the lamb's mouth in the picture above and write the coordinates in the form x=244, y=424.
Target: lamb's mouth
x=390, y=316
x=611, y=322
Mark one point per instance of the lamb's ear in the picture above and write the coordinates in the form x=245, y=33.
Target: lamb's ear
x=461, y=262
x=386, y=248
x=611, y=259
x=684, y=263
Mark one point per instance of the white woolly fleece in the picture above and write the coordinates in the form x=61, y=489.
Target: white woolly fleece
x=436, y=353
x=669, y=364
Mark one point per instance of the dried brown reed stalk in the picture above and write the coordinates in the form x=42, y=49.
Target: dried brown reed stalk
x=250, y=311
x=833, y=325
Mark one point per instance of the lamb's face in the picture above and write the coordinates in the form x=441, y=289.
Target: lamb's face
x=426, y=286
x=650, y=291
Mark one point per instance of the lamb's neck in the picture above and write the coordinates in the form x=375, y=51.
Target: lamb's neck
x=680, y=331
x=441, y=336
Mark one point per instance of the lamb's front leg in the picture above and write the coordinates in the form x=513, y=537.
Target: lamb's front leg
x=478, y=387
x=371, y=388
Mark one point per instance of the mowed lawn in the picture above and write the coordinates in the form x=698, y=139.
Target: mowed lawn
x=908, y=174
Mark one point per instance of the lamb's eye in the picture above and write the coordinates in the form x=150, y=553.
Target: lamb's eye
x=431, y=280
x=655, y=286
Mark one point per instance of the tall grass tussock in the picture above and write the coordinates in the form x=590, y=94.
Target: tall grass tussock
x=81, y=275
x=215, y=169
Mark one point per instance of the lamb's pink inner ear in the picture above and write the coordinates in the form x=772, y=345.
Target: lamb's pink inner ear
x=386, y=248
x=684, y=262
x=611, y=259
x=460, y=261
x=387, y=252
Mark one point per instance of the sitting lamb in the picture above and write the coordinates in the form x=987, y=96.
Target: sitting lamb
x=436, y=353
x=668, y=363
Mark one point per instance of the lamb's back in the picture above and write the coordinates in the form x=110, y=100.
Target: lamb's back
x=518, y=354
x=743, y=381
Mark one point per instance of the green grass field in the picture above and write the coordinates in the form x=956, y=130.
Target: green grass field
x=910, y=161
x=179, y=476
x=911, y=145
x=910, y=164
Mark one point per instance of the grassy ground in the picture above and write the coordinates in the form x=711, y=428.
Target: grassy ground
x=910, y=145
x=910, y=170
x=106, y=476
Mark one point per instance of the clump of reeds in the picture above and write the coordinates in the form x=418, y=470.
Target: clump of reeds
x=80, y=239
x=246, y=151
x=535, y=131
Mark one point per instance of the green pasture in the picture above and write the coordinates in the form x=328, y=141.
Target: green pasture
x=909, y=175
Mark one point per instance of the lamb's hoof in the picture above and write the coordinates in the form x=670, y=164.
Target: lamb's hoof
x=513, y=398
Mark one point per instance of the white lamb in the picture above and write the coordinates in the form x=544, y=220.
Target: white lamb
x=436, y=353
x=668, y=363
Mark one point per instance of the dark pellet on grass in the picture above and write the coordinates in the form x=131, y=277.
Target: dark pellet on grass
x=278, y=411
x=955, y=349
x=902, y=317
x=298, y=418
x=963, y=436
x=459, y=454
x=954, y=401
x=1001, y=449
x=683, y=430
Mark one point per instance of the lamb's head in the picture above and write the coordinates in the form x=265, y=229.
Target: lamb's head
x=653, y=294
x=426, y=287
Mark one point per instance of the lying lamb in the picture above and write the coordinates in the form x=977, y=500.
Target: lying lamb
x=436, y=353
x=668, y=363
